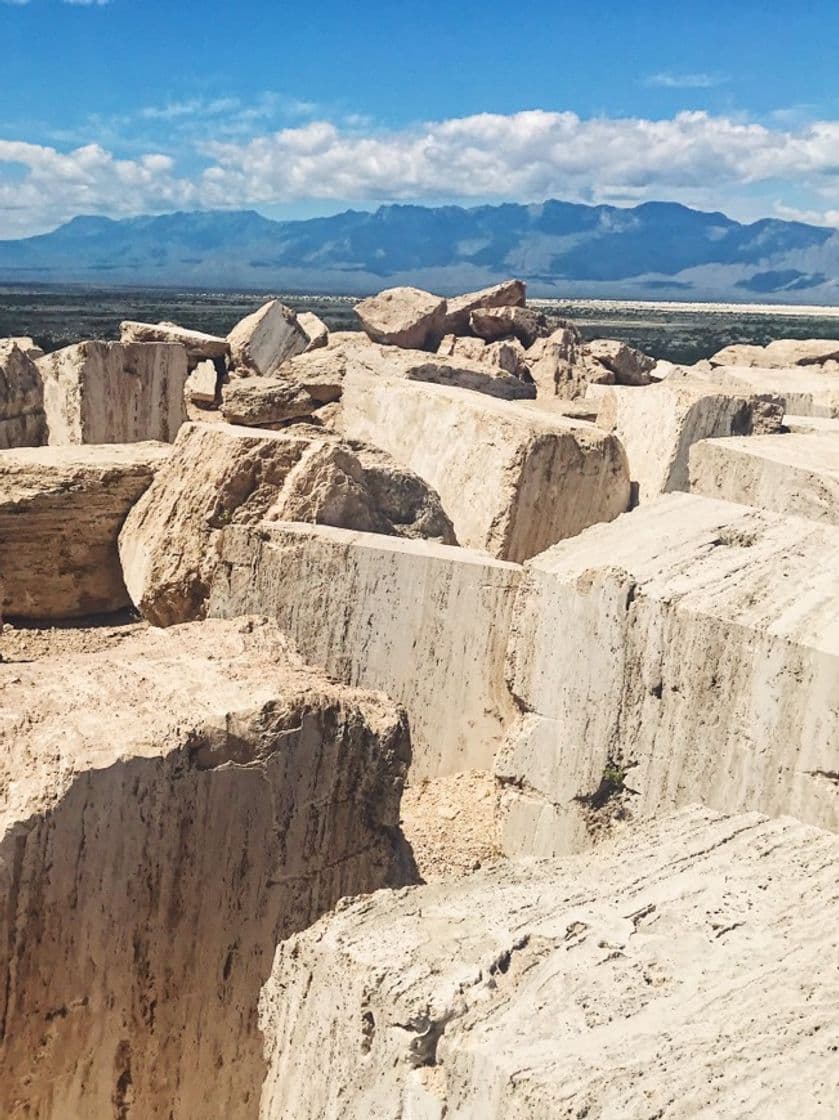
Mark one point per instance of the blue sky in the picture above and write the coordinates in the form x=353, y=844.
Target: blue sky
x=134, y=106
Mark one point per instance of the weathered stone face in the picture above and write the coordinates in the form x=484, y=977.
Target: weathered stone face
x=688, y=652
x=263, y=401
x=264, y=340
x=574, y=987
x=514, y=478
x=22, y=419
x=61, y=510
x=511, y=293
x=198, y=345
x=407, y=317
x=169, y=812
x=630, y=366
x=804, y=391
x=220, y=475
x=107, y=392
x=523, y=323
x=793, y=474
x=315, y=329
x=782, y=353
x=425, y=623
x=659, y=424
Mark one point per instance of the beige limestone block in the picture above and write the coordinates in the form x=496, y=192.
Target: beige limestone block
x=22, y=418
x=425, y=623
x=688, y=652
x=169, y=811
x=406, y=317
x=630, y=366
x=510, y=293
x=513, y=478
x=804, y=391
x=315, y=329
x=198, y=345
x=260, y=402
x=261, y=342
x=61, y=510
x=683, y=971
x=523, y=323
x=107, y=392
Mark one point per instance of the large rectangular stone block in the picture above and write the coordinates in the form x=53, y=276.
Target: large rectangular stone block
x=805, y=390
x=22, y=420
x=424, y=622
x=169, y=811
x=110, y=392
x=514, y=478
x=687, y=652
x=796, y=474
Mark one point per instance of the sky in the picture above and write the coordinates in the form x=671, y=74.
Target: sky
x=122, y=107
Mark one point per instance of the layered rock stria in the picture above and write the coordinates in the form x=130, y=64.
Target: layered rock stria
x=406, y=317
x=658, y=425
x=425, y=623
x=220, y=475
x=514, y=479
x=261, y=342
x=170, y=810
x=22, y=418
x=61, y=510
x=198, y=345
x=796, y=474
x=687, y=652
x=107, y=392
x=680, y=972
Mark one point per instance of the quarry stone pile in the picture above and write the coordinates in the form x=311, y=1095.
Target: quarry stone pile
x=425, y=623
x=107, y=392
x=61, y=510
x=22, y=417
x=169, y=812
x=593, y=601
x=680, y=972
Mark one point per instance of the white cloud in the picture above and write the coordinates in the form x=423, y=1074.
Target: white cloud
x=667, y=79
x=702, y=160
x=86, y=3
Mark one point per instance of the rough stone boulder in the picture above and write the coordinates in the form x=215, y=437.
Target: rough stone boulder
x=780, y=354
x=688, y=652
x=804, y=391
x=261, y=342
x=406, y=317
x=425, y=623
x=264, y=401
x=513, y=478
x=314, y=328
x=220, y=475
x=202, y=385
x=28, y=345
x=560, y=367
x=508, y=355
x=107, y=392
x=61, y=510
x=198, y=345
x=630, y=366
x=796, y=474
x=681, y=972
x=523, y=323
x=321, y=372
x=22, y=418
x=511, y=293
x=461, y=372
x=170, y=810
x=658, y=425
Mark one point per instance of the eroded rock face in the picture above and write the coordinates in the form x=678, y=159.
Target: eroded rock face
x=28, y=345
x=314, y=328
x=425, y=623
x=198, y=345
x=321, y=372
x=689, y=652
x=659, y=424
x=107, y=392
x=511, y=293
x=493, y=323
x=407, y=317
x=512, y=477
x=630, y=366
x=220, y=475
x=61, y=510
x=561, y=367
x=508, y=355
x=22, y=419
x=170, y=810
x=261, y=342
x=202, y=384
x=805, y=391
x=679, y=972
x=794, y=474
x=780, y=354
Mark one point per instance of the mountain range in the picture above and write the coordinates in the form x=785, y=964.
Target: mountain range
x=659, y=250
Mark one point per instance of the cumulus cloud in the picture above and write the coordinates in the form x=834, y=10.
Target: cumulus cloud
x=693, y=157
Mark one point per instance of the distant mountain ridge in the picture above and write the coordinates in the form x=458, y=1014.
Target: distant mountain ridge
x=657, y=250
